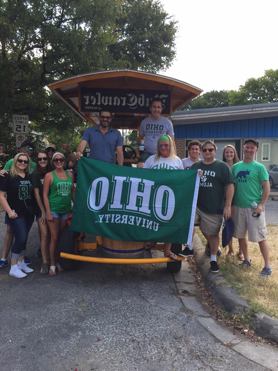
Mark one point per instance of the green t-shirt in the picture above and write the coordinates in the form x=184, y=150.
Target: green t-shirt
x=248, y=182
x=9, y=163
x=60, y=194
x=216, y=177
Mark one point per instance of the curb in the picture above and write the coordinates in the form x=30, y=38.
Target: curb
x=227, y=298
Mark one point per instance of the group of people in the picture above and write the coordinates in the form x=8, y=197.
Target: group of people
x=227, y=188
x=41, y=189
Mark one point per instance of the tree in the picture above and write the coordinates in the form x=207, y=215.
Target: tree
x=261, y=90
x=211, y=99
x=46, y=40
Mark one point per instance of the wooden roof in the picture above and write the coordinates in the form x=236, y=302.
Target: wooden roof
x=69, y=90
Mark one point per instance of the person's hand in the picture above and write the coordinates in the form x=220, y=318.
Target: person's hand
x=227, y=212
x=3, y=172
x=259, y=209
x=78, y=155
x=43, y=217
x=50, y=217
x=200, y=172
x=12, y=214
x=66, y=147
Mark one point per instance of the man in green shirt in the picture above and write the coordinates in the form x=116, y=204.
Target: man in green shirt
x=26, y=147
x=251, y=193
x=214, y=199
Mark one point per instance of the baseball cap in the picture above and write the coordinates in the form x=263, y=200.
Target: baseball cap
x=228, y=227
x=50, y=145
x=27, y=142
x=253, y=141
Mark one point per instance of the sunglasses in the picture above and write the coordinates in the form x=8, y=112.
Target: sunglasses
x=42, y=159
x=166, y=145
x=58, y=160
x=50, y=150
x=27, y=148
x=207, y=149
x=23, y=161
x=106, y=117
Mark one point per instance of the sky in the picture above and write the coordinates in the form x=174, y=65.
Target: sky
x=222, y=43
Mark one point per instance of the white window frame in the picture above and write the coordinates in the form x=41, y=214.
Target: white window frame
x=262, y=153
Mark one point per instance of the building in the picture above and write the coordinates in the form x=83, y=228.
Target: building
x=230, y=125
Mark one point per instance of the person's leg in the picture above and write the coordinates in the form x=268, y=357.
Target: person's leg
x=231, y=250
x=54, y=227
x=20, y=229
x=265, y=252
x=8, y=240
x=214, y=243
x=168, y=253
x=243, y=245
x=44, y=240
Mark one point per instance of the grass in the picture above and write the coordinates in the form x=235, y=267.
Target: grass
x=262, y=294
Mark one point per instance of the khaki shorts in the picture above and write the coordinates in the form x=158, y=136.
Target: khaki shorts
x=245, y=222
x=209, y=223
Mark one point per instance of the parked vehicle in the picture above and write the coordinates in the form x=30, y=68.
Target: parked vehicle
x=273, y=176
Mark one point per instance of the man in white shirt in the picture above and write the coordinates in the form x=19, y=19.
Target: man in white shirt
x=194, y=150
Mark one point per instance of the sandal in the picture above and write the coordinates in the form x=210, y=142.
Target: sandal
x=172, y=256
x=230, y=254
x=59, y=268
x=44, y=268
x=52, y=270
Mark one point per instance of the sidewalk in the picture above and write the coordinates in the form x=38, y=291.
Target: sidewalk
x=264, y=355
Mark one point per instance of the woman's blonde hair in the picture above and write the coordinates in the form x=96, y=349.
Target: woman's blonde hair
x=172, y=155
x=14, y=171
x=235, y=159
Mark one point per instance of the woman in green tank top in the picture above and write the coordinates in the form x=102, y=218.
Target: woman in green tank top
x=58, y=192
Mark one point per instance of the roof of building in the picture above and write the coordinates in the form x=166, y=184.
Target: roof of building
x=225, y=113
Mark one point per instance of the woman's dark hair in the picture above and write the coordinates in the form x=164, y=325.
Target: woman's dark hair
x=43, y=170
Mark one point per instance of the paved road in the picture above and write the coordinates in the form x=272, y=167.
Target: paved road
x=103, y=318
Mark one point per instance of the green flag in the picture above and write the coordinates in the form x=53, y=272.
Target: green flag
x=130, y=204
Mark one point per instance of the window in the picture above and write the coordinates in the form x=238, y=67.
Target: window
x=266, y=152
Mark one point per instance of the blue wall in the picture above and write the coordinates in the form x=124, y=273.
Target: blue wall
x=255, y=128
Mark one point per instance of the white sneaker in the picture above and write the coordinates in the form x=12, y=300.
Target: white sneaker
x=22, y=266
x=15, y=271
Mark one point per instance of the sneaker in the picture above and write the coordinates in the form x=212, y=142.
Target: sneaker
x=266, y=272
x=244, y=264
x=207, y=250
x=186, y=252
x=214, y=267
x=27, y=261
x=3, y=263
x=23, y=266
x=39, y=253
x=16, y=272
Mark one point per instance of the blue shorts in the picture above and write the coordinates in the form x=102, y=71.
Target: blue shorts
x=63, y=216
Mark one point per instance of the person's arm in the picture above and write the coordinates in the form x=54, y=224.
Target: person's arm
x=265, y=195
x=46, y=186
x=40, y=204
x=80, y=149
x=228, y=202
x=71, y=156
x=141, y=139
x=4, y=203
x=120, y=155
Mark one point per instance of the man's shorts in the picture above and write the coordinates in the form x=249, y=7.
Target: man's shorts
x=245, y=222
x=143, y=158
x=209, y=223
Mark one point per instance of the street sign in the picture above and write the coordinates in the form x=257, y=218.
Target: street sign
x=20, y=124
x=19, y=139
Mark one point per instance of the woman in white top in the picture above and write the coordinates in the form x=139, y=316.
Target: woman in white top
x=165, y=159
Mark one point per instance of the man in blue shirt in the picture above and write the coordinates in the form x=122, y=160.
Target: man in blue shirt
x=103, y=140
